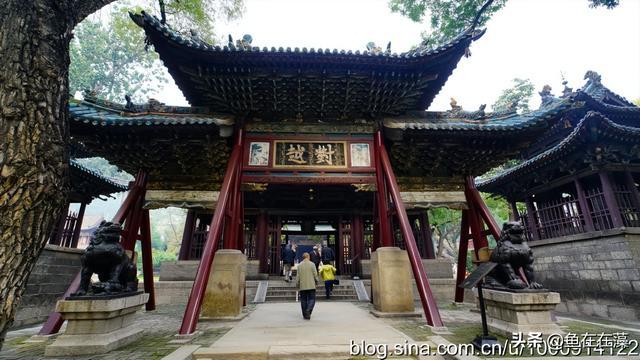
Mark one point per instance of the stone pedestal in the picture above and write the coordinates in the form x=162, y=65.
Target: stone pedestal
x=509, y=312
x=391, y=281
x=225, y=290
x=97, y=326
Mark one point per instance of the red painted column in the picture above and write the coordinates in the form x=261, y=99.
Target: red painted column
x=187, y=235
x=514, y=211
x=376, y=243
x=463, y=248
x=76, y=231
x=192, y=311
x=610, y=199
x=584, y=206
x=472, y=193
x=62, y=219
x=384, y=226
x=426, y=296
x=425, y=228
x=262, y=232
x=631, y=184
x=147, y=261
x=357, y=235
x=531, y=219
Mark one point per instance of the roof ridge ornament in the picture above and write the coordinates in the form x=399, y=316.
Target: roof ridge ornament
x=567, y=90
x=546, y=96
x=593, y=78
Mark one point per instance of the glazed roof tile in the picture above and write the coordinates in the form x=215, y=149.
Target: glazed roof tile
x=146, y=20
x=492, y=122
x=592, y=121
x=284, y=83
x=111, y=114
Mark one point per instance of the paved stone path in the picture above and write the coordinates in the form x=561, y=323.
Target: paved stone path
x=159, y=326
x=278, y=329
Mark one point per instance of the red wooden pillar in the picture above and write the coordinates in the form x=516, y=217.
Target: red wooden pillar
x=192, y=311
x=584, y=206
x=340, y=261
x=262, y=231
x=187, y=235
x=78, y=227
x=357, y=236
x=62, y=220
x=376, y=243
x=610, y=199
x=429, y=305
x=423, y=219
x=463, y=248
x=473, y=195
x=514, y=211
x=631, y=184
x=531, y=219
x=240, y=220
x=147, y=261
x=384, y=225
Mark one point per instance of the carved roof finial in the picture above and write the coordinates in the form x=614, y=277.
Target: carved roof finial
x=129, y=105
x=593, y=77
x=454, y=105
x=245, y=43
x=373, y=48
x=545, y=95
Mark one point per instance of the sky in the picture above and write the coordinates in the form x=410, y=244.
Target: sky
x=541, y=40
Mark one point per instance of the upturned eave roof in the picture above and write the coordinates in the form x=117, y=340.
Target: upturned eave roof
x=511, y=123
x=281, y=83
x=593, y=125
x=91, y=184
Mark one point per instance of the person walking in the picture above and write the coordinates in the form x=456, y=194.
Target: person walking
x=315, y=256
x=327, y=273
x=306, y=280
x=288, y=259
x=327, y=255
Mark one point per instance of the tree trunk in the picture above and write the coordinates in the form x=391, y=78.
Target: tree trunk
x=34, y=132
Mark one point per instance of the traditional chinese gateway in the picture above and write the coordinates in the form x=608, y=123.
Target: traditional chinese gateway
x=329, y=144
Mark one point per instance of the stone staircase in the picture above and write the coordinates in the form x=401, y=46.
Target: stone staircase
x=281, y=291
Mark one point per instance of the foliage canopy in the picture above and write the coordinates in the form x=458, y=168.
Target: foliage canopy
x=520, y=93
x=108, y=54
x=448, y=18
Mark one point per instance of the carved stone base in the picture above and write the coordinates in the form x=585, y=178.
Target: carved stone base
x=225, y=290
x=509, y=312
x=97, y=326
x=391, y=281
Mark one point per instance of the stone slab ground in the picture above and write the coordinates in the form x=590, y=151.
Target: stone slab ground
x=332, y=325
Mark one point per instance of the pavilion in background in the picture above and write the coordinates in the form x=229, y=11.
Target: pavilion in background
x=576, y=190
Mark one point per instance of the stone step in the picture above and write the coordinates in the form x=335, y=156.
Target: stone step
x=290, y=291
x=293, y=293
x=346, y=288
x=318, y=298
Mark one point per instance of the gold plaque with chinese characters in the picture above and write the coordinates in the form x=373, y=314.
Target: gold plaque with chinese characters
x=310, y=154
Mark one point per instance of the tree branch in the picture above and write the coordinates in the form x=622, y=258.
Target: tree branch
x=84, y=8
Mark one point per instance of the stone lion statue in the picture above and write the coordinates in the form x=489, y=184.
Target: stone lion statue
x=106, y=257
x=512, y=254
